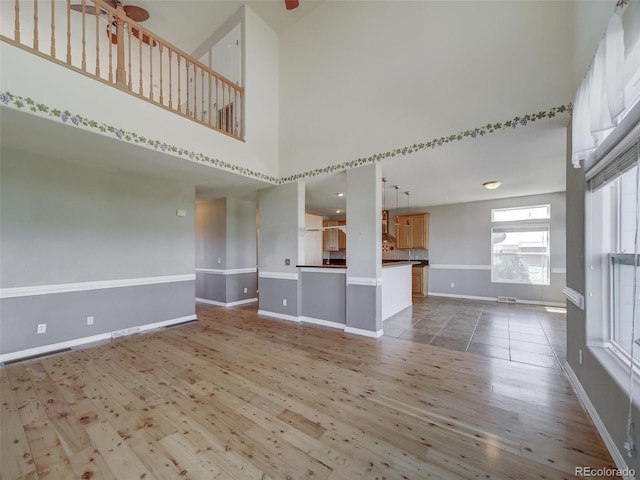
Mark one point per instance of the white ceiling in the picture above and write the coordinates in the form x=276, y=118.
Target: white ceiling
x=187, y=23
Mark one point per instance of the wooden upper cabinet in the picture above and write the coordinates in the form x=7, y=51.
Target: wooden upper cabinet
x=330, y=241
x=335, y=239
x=342, y=236
x=414, y=235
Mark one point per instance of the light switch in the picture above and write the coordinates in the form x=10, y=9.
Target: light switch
x=181, y=213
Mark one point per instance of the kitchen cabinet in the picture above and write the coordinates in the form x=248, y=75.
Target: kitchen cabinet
x=415, y=234
x=342, y=236
x=334, y=240
x=313, y=239
x=330, y=239
x=420, y=280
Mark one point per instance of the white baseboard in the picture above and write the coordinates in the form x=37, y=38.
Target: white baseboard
x=317, y=321
x=43, y=350
x=618, y=458
x=364, y=333
x=281, y=316
x=495, y=299
x=223, y=304
x=325, y=323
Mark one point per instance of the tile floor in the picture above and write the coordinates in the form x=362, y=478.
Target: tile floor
x=529, y=334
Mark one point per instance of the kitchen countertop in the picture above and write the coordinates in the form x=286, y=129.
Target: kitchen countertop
x=397, y=263
x=385, y=264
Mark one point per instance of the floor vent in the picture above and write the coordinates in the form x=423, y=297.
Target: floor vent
x=508, y=299
x=125, y=332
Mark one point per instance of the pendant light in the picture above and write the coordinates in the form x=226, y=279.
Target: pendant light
x=408, y=222
x=397, y=220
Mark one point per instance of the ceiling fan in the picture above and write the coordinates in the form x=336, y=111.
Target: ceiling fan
x=135, y=13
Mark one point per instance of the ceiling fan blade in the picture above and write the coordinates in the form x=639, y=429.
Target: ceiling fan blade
x=291, y=4
x=137, y=14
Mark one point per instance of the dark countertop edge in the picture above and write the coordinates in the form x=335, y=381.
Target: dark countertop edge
x=322, y=266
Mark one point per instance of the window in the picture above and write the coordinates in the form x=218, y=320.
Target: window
x=539, y=212
x=616, y=199
x=520, y=245
x=612, y=260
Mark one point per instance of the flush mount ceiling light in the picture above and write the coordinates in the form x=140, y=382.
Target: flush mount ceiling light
x=338, y=211
x=340, y=194
x=492, y=185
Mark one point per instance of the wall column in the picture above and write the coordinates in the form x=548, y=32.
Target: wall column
x=280, y=249
x=364, y=251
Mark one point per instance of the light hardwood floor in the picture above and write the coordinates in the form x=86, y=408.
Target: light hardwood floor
x=237, y=396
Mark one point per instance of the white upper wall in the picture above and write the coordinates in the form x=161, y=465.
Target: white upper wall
x=30, y=76
x=261, y=97
x=360, y=77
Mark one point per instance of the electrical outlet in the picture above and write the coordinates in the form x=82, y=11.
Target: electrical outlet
x=181, y=213
x=284, y=302
x=245, y=289
x=287, y=261
x=42, y=328
x=89, y=320
x=453, y=285
x=218, y=259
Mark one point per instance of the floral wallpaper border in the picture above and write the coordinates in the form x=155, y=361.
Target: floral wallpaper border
x=436, y=142
x=26, y=103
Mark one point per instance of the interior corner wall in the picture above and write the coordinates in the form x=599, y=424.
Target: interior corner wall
x=460, y=250
x=211, y=234
x=241, y=237
x=226, y=251
x=241, y=247
x=80, y=241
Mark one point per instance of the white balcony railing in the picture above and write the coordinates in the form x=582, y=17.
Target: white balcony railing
x=101, y=41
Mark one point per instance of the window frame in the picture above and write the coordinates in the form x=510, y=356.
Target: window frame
x=528, y=223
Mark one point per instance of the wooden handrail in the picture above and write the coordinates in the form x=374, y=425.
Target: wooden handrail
x=200, y=93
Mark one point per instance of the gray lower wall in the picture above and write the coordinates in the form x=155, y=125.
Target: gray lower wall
x=273, y=290
x=211, y=287
x=478, y=283
x=63, y=222
x=323, y=296
x=226, y=288
x=364, y=307
x=460, y=234
x=65, y=314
